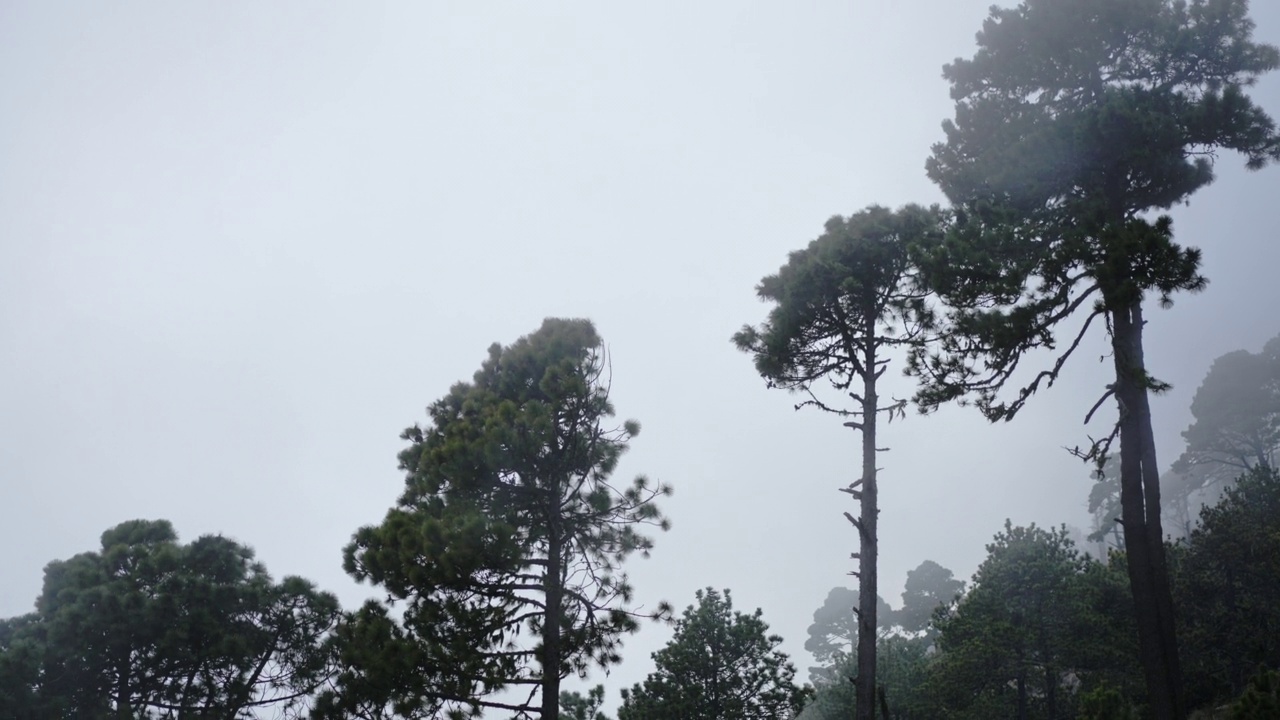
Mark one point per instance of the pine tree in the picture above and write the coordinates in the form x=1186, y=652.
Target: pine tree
x=720, y=665
x=507, y=543
x=841, y=306
x=1075, y=119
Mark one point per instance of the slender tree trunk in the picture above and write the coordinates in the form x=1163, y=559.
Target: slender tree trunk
x=865, y=707
x=1051, y=691
x=124, y=708
x=1140, y=511
x=717, y=704
x=551, y=627
x=1022, y=694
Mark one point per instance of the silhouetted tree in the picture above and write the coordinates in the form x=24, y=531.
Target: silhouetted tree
x=1237, y=417
x=1073, y=120
x=928, y=587
x=841, y=307
x=834, y=632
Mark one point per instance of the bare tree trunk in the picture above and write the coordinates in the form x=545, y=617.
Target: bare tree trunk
x=124, y=708
x=1140, y=511
x=1051, y=691
x=551, y=628
x=1022, y=693
x=865, y=707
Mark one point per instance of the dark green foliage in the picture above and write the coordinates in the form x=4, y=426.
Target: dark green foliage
x=148, y=625
x=385, y=673
x=720, y=665
x=1038, y=623
x=901, y=672
x=858, y=272
x=1228, y=583
x=1106, y=703
x=507, y=543
x=1261, y=701
x=21, y=649
x=576, y=706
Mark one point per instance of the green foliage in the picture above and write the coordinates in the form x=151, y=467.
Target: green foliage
x=21, y=649
x=1261, y=701
x=720, y=665
x=1227, y=583
x=148, y=625
x=1072, y=119
x=858, y=273
x=507, y=543
x=576, y=706
x=1106, y=703
x=385, y=673
x=1038, y=623
x=901, y=674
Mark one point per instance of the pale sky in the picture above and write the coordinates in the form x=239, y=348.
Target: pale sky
x=246, y=244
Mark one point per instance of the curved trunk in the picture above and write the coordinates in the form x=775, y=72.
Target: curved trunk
x=1140, y=511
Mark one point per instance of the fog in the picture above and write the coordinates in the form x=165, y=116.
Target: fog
x=245, y=245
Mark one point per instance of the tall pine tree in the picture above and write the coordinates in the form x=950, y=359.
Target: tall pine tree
x=841, y=307
x=1073, y=120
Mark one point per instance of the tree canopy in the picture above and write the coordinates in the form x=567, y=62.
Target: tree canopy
x=150, y=627
x=1028, y=634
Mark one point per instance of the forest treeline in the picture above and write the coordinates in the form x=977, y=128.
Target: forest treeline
x=501, y=567
x=148, y=627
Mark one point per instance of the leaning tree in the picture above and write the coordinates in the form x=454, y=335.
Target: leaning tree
x=1074, y=120
x=506, y=546
x=842, y=306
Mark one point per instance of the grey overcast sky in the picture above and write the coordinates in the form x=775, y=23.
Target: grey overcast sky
x=245, y=244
